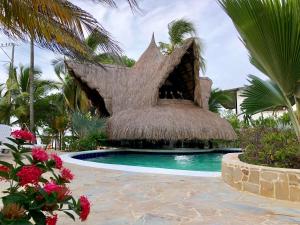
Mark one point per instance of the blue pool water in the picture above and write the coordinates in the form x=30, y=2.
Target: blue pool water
x=179, y=161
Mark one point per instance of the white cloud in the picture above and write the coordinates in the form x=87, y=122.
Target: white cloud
x=227, y=60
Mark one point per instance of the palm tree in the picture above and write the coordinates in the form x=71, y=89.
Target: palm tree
x=217, y=99
x=56, y=25
x=270, y=30
x=262, y=95
x=94, y=41
x=75, y=98
x=14, y=102
x=178, y=31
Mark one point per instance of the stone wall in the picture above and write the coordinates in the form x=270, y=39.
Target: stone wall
x=278, y=183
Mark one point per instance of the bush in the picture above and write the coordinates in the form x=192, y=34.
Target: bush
x=37, y=186
x=84, y=125
x=270, y=147
x=90, y=142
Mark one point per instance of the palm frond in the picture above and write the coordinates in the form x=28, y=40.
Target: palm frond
x=178, y=29
x=270, y=30
x=56, y=25
x=217, y=99
x=262, y=95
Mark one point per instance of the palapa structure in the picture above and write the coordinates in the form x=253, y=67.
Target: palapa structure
x=161, y=97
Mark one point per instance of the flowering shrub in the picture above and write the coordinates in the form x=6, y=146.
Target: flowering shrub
x=37, y=186
x=23, y=135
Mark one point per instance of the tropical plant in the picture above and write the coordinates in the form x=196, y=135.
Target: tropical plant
x=57, y=121
x=56, y=25
x=38, y=186
x=262, y=95
x=270, y=30
x=217, y=99
x=75, y=98
x=178, y=31
x=14, y=103
x=85, y=125
x=90, y=142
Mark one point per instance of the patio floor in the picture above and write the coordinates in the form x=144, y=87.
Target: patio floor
x=123, y=198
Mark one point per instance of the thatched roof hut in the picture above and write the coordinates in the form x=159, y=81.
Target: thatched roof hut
x=161, y=98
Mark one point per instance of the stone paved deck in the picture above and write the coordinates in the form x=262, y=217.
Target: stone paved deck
x=122, y=198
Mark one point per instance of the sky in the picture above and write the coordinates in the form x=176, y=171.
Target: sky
x=226, y=58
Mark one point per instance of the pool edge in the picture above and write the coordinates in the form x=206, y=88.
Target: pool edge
x=68, y=158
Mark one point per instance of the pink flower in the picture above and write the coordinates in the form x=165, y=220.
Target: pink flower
x=57, y=160
x=67, y=175
x=61, y=191
x=51, y=220
x=29, y=175
x=50, y=187
x=85, y=208
x=24, y=135
x=39, y=154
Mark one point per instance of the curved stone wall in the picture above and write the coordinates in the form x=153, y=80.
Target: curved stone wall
x=278, y=183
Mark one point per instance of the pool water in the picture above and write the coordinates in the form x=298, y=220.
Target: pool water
x=179, y=161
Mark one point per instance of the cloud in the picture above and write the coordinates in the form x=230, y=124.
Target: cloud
x=226, y=57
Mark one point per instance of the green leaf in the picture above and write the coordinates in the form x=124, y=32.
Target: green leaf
x=19, y=222
x=4, y=174
x=70, y=215
x=38, y=217
x=6, y=164
x=16, y=141
x=262, y=95
x=15, y=198
x=12, y=147
x=29, y=158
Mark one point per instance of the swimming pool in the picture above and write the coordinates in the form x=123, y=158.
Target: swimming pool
x=186, y=162
x=178, y=161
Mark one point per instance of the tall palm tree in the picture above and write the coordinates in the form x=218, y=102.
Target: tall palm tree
x=270, y=30
x=178, y=31
x=14, y=102
x=57, y=25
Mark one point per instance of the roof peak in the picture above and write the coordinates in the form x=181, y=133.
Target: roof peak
x=152, y=42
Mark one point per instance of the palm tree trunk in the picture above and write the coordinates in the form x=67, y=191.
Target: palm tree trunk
x=294, y=117
x=31, y=78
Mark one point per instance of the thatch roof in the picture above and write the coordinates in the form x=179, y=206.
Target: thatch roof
x=161, y=97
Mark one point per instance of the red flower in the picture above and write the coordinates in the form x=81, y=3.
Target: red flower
x=66, y=174
x=85, y=208
x=57, y=160
x=61, y=191
x=24, y=135
x=29, y=175
x=39, y=154
x=51, y=220
x=4, y=169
